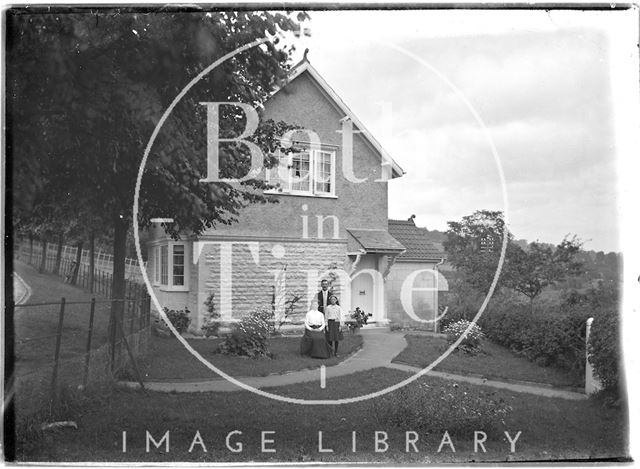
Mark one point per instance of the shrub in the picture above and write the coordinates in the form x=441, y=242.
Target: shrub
x=179, y=319
x=604, y=349
x=472, y=343
x=211, y=327
x=551, y=335
x=359, y=318
x=443, y=407
x=249, y=337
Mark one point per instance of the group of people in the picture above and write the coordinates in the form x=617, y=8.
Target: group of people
x=322, y=332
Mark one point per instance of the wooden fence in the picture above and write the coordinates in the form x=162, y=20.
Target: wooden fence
x=102, y=279
x=103, y=261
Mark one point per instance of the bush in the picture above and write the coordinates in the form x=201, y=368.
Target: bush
x=548, y=336
x=442, y=407
x=604, y=349
x=180, y=319
x=211, y=327
x=359, y=318
x=472, y=343
x=249, y=337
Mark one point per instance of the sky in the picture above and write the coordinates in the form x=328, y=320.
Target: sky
x=456, y=97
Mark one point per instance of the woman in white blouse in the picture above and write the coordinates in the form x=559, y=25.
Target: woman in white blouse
x=314, y=341
x=333, y=314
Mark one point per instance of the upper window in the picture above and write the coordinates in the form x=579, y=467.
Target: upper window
x=308, y=172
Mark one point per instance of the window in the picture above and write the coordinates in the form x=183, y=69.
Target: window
x=172, y=270
x=164, y=264
x=309, y=172
x=178, y=265
x=156, y=265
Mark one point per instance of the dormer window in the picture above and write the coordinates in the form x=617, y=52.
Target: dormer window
x=309, y=172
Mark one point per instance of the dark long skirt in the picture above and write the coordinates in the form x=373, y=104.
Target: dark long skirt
x=333, y=331
x=314, y=344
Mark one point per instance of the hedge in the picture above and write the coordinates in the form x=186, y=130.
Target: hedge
x=549, y=336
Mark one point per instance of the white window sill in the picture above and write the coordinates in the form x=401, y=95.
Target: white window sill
x=301, y=194
x=174, y=289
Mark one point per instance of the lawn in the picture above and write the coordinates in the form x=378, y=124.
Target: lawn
x=494, y=362
x=35, y=326
x=552, y=429
x=169, y=360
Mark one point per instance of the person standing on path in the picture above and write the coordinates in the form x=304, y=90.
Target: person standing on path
x=323, y=295
x=333, y=314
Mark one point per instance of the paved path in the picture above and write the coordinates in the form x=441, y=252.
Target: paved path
x=517, y=387
x=379, y=348
x=21, y=291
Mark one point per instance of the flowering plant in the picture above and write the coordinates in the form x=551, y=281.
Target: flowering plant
x=249, y=337
x=472, y=343
x=359, y=317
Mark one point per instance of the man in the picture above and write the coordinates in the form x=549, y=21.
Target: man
x=323, y=295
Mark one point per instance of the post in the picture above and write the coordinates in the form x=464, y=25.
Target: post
x=74, y=274
x=30, y=249
x=59, y=253
x=591, y=383
x=43, y=261
x=92, y=266
x=88, y=355
x=56, y=356
x=133, y=361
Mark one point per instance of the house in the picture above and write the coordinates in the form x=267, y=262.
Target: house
x=331, y=222
x=416, y=276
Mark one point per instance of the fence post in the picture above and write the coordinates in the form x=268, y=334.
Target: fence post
x=133, y=361
x=88, y=356
x=56, y=356
x=591, y=382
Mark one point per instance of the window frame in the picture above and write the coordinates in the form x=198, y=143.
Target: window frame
x=314, y=157
x=170, y=249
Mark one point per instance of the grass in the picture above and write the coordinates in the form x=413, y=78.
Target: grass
x=35, y=326
x=552, y=429
x=169, y=360
x=495, y=362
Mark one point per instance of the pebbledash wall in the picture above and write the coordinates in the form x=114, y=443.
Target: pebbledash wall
x=282, y=225
x=424, y=302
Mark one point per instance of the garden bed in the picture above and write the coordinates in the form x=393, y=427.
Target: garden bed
x=168, y=359
x=494, y=362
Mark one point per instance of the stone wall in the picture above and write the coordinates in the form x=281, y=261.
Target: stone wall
x=250, y=277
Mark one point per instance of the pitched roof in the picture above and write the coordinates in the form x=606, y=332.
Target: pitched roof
x=375, y=241
x=416, y=240
x=304, y=66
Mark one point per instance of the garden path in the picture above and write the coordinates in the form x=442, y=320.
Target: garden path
x=546, y=391
x=379, y=347
x=21, y=291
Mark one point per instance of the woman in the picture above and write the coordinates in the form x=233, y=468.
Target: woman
x=314, y=341
x=333, y=314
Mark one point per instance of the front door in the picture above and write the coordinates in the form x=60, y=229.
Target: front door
x=362, y=287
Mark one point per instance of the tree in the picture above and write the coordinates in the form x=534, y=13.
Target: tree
x=530, y=271
x=85, y=88
x=473, y=247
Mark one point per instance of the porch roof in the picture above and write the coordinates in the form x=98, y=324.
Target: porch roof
x=374, y=241
x=416, y=240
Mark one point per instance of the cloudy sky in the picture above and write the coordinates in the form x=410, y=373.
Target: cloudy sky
x=437, y=87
